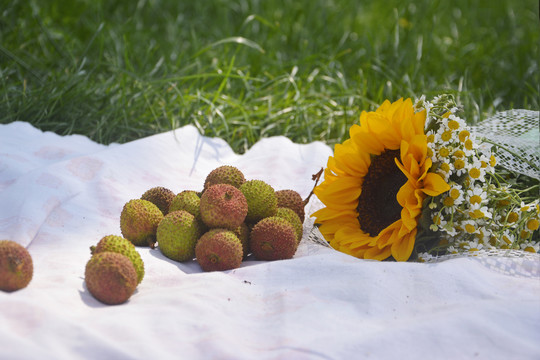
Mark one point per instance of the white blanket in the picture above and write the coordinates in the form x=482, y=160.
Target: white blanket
x=60, y=195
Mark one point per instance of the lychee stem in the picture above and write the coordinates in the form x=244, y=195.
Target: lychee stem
x=315, y=177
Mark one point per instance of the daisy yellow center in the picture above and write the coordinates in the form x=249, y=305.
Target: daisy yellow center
x=476, y=199
x=444, y=152
x=459, y=154
x=377, y=205
x=447, y=135
x=448, y=201
x=459, y=164
x=445, y=167
x=463, y=135
x=455, y=193
x=492, y=160
x=453, y=124
x=476, y=214
x=474, y=173
x=533, y=224
x=513, y=217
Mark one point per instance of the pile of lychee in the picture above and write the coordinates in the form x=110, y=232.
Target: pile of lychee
x=219, y=226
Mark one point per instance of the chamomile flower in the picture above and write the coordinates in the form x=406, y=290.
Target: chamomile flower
x=476, y=195
x=470, y=226
x=452, y=250
x=530, y=246
x=473, y=246
x=478, y=211
x=532, y=224
x=476, y=171
x=507, y=239
x=425, y=257
x=461, y=166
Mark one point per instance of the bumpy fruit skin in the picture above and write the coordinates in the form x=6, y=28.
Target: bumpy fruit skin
x=161, y=197
x=139, y=220
x=273, y=238
x=223, y=206
x=189, y=201
x=242, y=232
x=292, y=200
x=16, y=266
x=225, y=174
x=219, y=250
x=118, y=244
x=110, y=277
x=293, y=219
x=261, y=199
x=177, y=235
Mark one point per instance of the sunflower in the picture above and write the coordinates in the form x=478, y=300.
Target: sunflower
x=375, y=184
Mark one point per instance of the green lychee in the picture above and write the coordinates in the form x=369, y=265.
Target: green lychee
x=16, y=266
x=177, y=235
x=110, y=277
x=189, y=201
x=261, y=199
x=159, y=196
x=293, y=219
x=118, y=244
x=242, y=232
x=223, y=206
x=139, y=220
x=225, y=174
x=273, y=238
x=219, y=250
x=292, y=200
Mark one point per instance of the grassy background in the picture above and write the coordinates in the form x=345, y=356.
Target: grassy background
x=245, y=69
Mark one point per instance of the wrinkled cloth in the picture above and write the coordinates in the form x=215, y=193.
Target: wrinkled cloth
x=60, y=194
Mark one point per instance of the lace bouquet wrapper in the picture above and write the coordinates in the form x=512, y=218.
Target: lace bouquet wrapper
x=415, y=182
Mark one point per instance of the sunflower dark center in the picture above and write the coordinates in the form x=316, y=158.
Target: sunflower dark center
x=377, y=205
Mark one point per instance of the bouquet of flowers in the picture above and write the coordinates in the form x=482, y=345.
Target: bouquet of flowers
x=413, y=181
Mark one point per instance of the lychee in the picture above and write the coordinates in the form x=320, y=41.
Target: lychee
x=159, y=196
x=139, y=220
x=292, y=200
x=225, y=174
x=189, y=201
x=110, y=277
x=273, y=238
x=16, y=266
x=261, y=199
x=293, y=219
x=118, y=244
x=219, y=250
x=177, y=235
x=242, y=232
x=223, y=206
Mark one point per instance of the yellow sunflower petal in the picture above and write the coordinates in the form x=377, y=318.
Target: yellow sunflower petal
x=342, y=193
x=434, y=185
x=403, y=247
x=350, y=161
x=367, y=143
x=375, y=253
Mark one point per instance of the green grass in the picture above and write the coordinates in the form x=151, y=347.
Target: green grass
x=245, y=69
